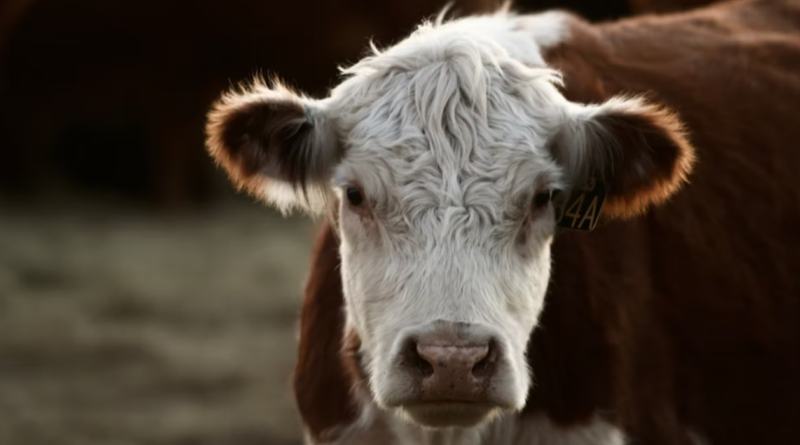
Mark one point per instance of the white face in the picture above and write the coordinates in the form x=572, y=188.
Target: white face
x=412, y=256
x=444, y=215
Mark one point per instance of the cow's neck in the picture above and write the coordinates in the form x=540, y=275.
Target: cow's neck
x=378, y=427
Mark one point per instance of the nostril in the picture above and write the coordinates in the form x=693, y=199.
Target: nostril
x=424, y=368
x=486, y=366
x=416, y=361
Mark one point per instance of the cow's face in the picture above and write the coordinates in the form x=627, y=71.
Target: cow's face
x=446, y=225
x=441, y=156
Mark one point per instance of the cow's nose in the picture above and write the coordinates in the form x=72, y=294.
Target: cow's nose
x=455, y=372
x=461, y=359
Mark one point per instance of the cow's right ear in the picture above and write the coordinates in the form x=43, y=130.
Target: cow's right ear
x=274, y=143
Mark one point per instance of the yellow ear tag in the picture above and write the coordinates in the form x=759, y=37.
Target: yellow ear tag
x=582, y=208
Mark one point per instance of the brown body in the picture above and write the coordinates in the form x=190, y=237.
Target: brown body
x=686, y=318
x=642, y=6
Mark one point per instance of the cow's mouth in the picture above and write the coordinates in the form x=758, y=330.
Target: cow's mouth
x=450, y=413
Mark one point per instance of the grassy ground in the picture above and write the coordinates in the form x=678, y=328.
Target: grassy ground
x=118, y=326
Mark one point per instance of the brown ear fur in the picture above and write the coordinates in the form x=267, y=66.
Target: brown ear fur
x=640, y=151
x=260, y=134
x=650, y=158
x=325, y=374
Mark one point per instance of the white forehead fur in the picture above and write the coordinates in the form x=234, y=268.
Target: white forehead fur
x=488, y=105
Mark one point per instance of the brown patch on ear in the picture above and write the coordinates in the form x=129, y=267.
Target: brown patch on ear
x=647, y=157
x=327, y=369
x=258, y=137
x=262, y=134
x=265, y=135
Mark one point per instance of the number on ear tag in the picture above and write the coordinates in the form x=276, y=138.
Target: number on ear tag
x=582, y=210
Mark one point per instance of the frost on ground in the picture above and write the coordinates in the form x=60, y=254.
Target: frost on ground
x=120, y=326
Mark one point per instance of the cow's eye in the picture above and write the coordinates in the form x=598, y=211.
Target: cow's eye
x=354, y=196
x=542, y=198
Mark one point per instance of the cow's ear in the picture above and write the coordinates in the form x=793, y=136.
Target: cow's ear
x=277, y=145
x=638, y=150
x=326, y=376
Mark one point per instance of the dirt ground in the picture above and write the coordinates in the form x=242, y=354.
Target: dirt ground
x=119, y=326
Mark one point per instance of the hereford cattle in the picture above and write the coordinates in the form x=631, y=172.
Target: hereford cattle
x=460, y=295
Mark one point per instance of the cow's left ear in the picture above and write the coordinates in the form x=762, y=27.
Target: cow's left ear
x=639, y=150
x=274, y=143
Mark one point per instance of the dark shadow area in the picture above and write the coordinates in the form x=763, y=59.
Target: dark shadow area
x=112, y=97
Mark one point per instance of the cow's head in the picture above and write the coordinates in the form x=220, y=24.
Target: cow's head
x=440, y=157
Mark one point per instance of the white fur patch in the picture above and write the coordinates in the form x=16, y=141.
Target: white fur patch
x=532, y=430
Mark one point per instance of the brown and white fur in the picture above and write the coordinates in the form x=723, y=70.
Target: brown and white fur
x=674, y=322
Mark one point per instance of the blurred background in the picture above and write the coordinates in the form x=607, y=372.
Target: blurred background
x=141, y=300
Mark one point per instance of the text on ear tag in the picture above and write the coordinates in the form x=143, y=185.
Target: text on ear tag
x=582, y=210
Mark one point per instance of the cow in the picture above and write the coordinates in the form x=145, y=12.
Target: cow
x=545, y=231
